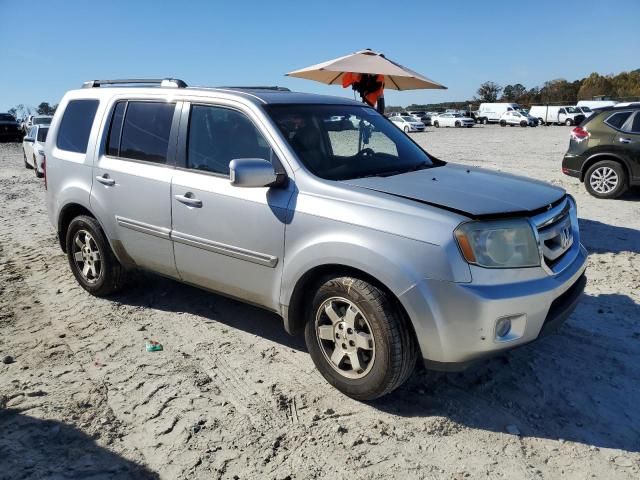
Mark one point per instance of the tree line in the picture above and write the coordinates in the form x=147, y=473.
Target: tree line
x=624, y=86
x=21, y=111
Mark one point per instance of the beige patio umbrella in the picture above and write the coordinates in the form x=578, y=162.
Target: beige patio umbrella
x=367, y=61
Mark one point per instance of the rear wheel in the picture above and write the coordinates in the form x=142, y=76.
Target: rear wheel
x=24, y=157
x=90, y=257
x=436, y=124
x=358, y=338
x=406, y=129
x=35, y=168
x=606, y=179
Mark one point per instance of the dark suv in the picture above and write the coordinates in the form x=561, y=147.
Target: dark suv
x=9, y=129
x=604, y=151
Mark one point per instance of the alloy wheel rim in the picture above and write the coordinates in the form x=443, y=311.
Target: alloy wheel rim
x=345, y=337
x=86, y=256
x=604, y=180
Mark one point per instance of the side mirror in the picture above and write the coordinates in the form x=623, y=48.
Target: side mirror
x=29, y=139
x=251, y=173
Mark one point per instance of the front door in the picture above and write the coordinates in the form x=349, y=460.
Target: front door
x=132, y=183
x=228, y=239
x=628, y=141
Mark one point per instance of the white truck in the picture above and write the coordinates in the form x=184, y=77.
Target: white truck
x=492, y=112
x=556, y=114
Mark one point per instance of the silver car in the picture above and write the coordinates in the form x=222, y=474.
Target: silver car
x=379, y=252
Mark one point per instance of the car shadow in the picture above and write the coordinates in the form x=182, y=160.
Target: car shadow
x=600, y=237
x=149, y=290
x=581, y=385
x=35, y=448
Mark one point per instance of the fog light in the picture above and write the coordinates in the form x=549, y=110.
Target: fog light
x=503, y=327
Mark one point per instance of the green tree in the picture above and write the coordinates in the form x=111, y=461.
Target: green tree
x=489, y=92
x=45, y=109
x=596, y=85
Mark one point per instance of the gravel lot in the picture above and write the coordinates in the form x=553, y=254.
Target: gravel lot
x=232, y=396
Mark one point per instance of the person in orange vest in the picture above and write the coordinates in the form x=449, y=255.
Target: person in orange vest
x=369, y=86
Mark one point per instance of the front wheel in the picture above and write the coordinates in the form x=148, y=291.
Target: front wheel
x=606, y=179
x=406, y=129
x=358, y=338
x=92, y=262
x=523, y=124
x=457, y=124
x=503, y=123
x=485, y=121
x=568, y=122
x=436, y=124
x=24, y=157
x=35, y=168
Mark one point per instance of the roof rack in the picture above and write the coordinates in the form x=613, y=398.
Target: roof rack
x=163, y=82
x=273, y=88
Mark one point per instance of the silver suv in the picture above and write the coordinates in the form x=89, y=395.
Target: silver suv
x=350, y=231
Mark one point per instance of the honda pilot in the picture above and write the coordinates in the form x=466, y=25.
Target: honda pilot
x=381, y=253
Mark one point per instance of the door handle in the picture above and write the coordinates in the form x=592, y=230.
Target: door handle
x=625, y=140
x=189, y=199
x=106, y=180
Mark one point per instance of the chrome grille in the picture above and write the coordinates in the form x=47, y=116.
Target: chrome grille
x=556, y=232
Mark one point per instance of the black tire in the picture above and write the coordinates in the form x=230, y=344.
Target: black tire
x=24, y=157
x=111, y=275
x=568, y=122
x=523, y=124
x=35, y=168
x=621, y=187
x=395, y=349
x=503, y=123
x=406, y=130
x=457, y=124
x=485, y=121
x=436, y=124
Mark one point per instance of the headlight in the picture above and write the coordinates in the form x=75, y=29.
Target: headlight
x=498, y=244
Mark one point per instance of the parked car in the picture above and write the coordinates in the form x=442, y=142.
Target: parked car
x=586, y=111
x=452, y=120
x=408, y=124
x=559, y=115
x=9, y=128
x=596, y=103
x=37, y=120
x=379, y=252
x=422, y=117
x=604, y=152
x=521, y=118
x=492, y=112
x=33, y=148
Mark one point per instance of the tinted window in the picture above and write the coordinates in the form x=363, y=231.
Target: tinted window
x=113, y=143
x=617, y=119
x=218, y=135
x=73, y=134
x=42, y=134
x=635, y=127
x=145, y=133
x=5, y=117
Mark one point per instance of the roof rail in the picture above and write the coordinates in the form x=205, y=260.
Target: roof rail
x=274, y=88
x=163, y=82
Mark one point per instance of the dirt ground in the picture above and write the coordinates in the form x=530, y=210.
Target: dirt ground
x=232, y=396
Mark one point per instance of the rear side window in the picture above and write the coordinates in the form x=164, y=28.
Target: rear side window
x=145, y=131
x=635, y=126
x=115, y=130
x=73, y=134
x=617, y=120
x=42, y=134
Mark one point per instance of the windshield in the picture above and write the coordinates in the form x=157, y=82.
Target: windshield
x=369, y=145
x=572, y=110
x=458, y=115
x=409, y=119
x=42, y=121
x=585, y=109
x=5, y=117
x=42, y=134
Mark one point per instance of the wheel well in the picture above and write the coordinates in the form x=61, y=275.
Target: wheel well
x=68, y=213
x=601, y=158
x=295, y=318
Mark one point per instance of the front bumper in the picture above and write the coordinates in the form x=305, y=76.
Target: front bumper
x=456, y=323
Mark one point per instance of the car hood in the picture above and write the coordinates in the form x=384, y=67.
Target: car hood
x=471, y=191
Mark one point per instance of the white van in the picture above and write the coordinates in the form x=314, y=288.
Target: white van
x=596, y=103
x=548, y=114
x=491, y=112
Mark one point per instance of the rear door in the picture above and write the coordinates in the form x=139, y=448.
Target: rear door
x=132, y=181
x=226, y=238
